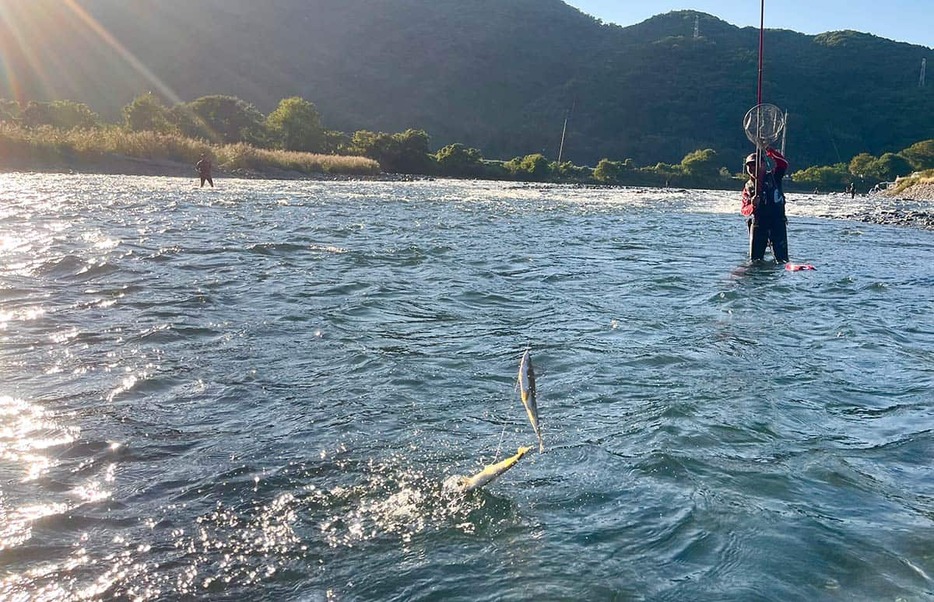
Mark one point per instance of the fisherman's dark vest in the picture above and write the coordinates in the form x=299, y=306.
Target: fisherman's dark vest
x=771, y=198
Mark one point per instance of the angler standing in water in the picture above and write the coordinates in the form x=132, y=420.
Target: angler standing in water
x=764, y=204
x=763, y=198
x=204, y=170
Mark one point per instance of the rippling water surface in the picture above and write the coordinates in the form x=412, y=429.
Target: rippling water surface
x=255, y=393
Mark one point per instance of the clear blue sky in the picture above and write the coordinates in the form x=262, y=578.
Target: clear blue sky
x=909, y=21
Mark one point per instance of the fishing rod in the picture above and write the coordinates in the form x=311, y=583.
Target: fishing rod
x=764, y=122
x=761, y=51
x=759, y=149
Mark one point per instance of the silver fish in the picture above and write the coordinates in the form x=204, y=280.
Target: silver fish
x=526, y=383
x=489, y=473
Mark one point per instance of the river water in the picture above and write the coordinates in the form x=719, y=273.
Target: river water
x=255, y=392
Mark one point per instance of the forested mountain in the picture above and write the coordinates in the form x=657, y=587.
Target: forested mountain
x=498, y=75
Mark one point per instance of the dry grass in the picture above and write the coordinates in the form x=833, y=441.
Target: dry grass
x=244, y=156
x=46, y=144
x=924, y=177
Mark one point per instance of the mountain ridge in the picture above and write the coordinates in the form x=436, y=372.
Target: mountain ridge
x=499, y=75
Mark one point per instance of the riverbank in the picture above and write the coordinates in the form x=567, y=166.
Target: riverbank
x=133, y=166
x=895, y=217
x=108, y=165
x=895, y=211
x=115, y=151
x=920, y=191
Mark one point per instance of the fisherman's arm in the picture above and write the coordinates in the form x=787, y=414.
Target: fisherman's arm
x=781, y=164
x=748, y=205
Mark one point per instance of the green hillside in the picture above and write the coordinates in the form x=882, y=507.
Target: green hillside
x=499, y=75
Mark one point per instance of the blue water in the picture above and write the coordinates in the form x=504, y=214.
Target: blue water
x=255, y=393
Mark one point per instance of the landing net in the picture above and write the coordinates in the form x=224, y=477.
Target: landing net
x=764, y=124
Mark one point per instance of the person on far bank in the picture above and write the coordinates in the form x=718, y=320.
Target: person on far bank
x=764, y=205
x=204, y=170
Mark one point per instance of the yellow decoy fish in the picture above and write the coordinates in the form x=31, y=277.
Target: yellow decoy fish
x=491, y=472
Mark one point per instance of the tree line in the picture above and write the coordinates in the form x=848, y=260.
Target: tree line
x=296, y=125
x=865, y=171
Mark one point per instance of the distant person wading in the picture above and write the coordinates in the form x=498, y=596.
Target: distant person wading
x=204, y=170
x=764, y=205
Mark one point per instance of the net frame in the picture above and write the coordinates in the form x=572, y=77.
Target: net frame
x=763, y=124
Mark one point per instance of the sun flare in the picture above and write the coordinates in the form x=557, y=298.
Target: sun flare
x=31, y=61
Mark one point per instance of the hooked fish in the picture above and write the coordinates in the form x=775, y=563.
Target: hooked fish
x=526, y=383
x=491, y=472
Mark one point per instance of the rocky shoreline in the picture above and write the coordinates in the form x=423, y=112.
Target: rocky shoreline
x=920, y=193
x=892, y=217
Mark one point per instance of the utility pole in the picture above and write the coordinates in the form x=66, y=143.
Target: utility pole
x=924, y=63
x=564, y=130
x=696, y=26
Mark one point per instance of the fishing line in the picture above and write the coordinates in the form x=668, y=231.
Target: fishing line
x=502, y=435
x=500, y=444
